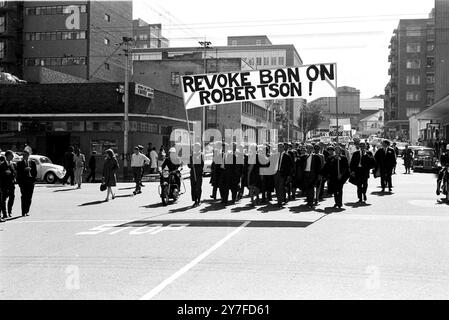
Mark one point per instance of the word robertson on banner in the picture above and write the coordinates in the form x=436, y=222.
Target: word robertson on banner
x=267, y=84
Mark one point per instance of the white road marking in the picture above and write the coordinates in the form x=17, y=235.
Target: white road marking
x=62, y=221
x=151, y=294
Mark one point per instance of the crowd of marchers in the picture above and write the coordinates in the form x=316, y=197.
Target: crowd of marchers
x=288, y=170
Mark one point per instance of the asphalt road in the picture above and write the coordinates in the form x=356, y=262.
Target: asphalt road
x=75, y=246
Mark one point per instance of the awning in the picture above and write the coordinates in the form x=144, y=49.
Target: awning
x=437, y=111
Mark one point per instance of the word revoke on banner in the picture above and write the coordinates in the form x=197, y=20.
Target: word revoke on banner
x=267, y=84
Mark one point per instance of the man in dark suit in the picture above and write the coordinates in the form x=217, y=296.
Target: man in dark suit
x=7, y=187
x=26, y=177
x=311, y=167
x=362, y=162
x=385, y=161
x=283, y=173
x=336, y=170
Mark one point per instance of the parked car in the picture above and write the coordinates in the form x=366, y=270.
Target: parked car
x=424, y=159
x=47, y=171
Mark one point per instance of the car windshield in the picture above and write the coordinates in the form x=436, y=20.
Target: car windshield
x=425, y=153
x=45, y=160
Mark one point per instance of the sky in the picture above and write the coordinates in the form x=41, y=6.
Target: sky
x=353, y=33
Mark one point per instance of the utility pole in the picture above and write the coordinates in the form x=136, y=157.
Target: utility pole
x=206, y=45
x=126, y=41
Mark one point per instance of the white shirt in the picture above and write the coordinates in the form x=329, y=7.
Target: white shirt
x=138, y=160
x=309, y=163
x=153, y=157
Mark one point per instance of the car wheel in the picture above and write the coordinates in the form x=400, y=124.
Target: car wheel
x=50, y=177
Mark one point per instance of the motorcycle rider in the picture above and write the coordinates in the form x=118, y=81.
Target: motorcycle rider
x=172, y=163
x=444, y=160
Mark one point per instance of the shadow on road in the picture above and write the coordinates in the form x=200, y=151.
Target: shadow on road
x=382, y=194
x=357, y=204
x=301, y=208
x=270, y=208
x=329, y=210
x=124, y=196
x=220, y=223
x=63, y=190
x=91, y=203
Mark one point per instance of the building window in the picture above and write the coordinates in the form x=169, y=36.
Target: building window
x=2, y=24
x=106, y=66
x=430, y=47
x=258, y=61
x=107, y=17
x=411, y=111
x=143, y=37
x=251, y=61
x=233, y=42
x=413, y=79
x=258, y=42
x=107, y=41
x=430, y=79
x=273, y=61
x=2, y=4
x=45, y=61
x=52, y=10
x=412, y=96
x=413, y=64
x=2, y=50
x=413, y=47
x=430, y=62
x=175, y=78
x=413, y=32
x=266, y=61
x=281, y=61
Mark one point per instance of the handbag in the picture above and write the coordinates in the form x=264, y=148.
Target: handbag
x=103, y=186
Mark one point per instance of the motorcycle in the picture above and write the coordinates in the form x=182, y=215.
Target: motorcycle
x=443, y=182
x=169, y=187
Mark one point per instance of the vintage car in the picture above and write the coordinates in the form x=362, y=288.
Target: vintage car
x=47, y=171
x=424, y=159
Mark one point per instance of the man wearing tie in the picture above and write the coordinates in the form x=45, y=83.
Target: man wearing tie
x=26, y=177
x=311, y=163
x=283, y=172
x=361, y=163
x=385, y=161
x=337, y=170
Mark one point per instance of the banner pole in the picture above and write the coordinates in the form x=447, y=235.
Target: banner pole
x=190, y=145
x=336, y=99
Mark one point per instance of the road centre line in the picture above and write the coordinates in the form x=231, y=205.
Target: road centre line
x=155, y=291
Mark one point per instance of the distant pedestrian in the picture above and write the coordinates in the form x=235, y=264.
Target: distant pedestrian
x=92, y=167
x=396, y=153
x=7, y=184
x=153, y=161
x=137, y=162
x=362, y=162
x=161, y=157
x=196, y=166
x=385, y=162
x=28, y=149
x=80, y=164
x=69, y=165
x=26, y=178
x=110, y=169
x=143, y=165
x=337, y=171
x=407, y=155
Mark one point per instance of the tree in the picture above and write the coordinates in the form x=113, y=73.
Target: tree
x=309, y=119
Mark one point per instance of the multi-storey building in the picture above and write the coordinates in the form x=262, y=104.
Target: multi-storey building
x=11, y=37
x=348, y=108
x=147, y=35
x=72, y=38
x=433, y=123
x=412, y=74
x=253, y=52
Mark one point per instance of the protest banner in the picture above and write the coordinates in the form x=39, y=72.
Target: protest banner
x=266, y=84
